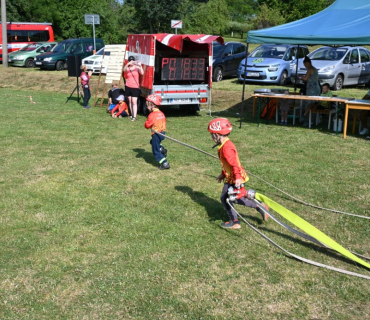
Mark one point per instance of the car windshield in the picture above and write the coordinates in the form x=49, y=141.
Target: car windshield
x=275, y=52
x=30, y=47
x=328, y=53
x=100, y=52
x=62, y=47
x=217, y=48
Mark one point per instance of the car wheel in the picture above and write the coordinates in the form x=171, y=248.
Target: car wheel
x=60, y=66
x=218, y=75
x=283, y=78
x=338, y=83
x=29, y=63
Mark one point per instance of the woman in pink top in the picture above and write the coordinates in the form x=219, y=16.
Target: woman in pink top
x=132, y=70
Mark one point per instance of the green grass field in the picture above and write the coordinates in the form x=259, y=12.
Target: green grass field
x=91, y=229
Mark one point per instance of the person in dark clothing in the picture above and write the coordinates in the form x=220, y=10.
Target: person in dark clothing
x=113, y=94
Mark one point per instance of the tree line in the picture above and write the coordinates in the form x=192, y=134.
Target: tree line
x=118, y=18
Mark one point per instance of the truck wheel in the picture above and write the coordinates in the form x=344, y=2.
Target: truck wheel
x=218, y=74
x=29, y=63
x=194, y=109
x=338, y=83
x=189, y=108
x=60, y=65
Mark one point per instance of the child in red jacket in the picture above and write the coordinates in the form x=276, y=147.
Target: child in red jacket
x=233, y=174
x=121, y=109
x=157, y=121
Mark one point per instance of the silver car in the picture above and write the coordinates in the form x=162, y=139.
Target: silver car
x=338, y=66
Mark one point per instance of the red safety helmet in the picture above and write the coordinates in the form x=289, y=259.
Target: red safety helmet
x=155, y=98
x=221, y=126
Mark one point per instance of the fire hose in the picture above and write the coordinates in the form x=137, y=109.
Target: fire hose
x=271, y=185
x=310, y=233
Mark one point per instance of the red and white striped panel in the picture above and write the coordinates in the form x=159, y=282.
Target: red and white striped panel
x=142, y=47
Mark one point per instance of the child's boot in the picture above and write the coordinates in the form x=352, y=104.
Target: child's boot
x=231, y=224
x=164, y=166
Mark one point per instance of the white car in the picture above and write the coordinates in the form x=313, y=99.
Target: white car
x=95, y=61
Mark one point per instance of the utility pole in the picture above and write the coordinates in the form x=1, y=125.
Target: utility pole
x=4, y=34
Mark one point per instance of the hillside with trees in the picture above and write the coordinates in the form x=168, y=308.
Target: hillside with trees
x=119, y=18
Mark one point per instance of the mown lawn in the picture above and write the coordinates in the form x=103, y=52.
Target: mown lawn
x=91, y=229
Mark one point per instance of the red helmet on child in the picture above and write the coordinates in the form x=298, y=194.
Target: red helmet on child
x=220, y=125
x=155, y=98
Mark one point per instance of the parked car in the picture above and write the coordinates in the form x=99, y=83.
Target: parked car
x=95, y=61
x=25, y=57
x=226, y=59
x=339, y=66
x=57, y=59
x=270, y=63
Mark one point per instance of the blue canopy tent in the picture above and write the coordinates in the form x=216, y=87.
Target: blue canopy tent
x=345, y=22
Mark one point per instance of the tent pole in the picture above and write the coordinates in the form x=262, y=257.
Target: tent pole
x=296, y=70
x=245, y=74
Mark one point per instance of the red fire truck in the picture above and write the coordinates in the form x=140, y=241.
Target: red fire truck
x=22, y=33
x=177, y=67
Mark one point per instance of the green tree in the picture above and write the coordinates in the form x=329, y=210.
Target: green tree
x=267, y=17
x=31, y=11
x=239, y=27
x=209, y=18
x=71, y=22
x=241, y=10
x=67, y=17
x=295, y=10
x=154, y=16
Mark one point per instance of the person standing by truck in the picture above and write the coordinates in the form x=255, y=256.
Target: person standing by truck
x=132, y=70
x=85, y=82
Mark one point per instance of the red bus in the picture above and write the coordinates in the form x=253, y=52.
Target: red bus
x=22, y=33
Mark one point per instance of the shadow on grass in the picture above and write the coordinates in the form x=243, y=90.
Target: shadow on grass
x=216, y=212
x=178, y=112
x=326, y=251
x=214, y=208
x=147, y=156
x=74, y=98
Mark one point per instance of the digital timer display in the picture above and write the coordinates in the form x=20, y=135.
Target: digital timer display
x=183, y=69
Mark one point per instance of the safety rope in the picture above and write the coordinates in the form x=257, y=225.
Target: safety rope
x=292, y=254
x=271, y=185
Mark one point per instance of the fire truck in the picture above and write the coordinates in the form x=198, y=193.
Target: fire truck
x=177, y=67
x=22, y=33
